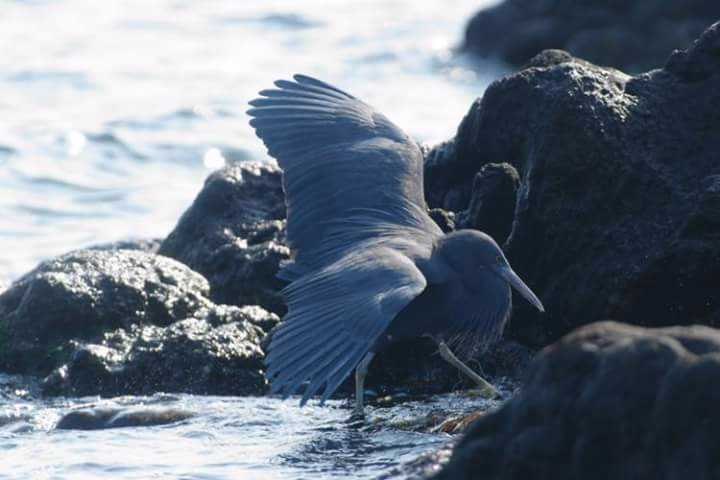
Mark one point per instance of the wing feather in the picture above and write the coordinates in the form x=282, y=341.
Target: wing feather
x=341, y=160
x=334, y=317
x=357, y=222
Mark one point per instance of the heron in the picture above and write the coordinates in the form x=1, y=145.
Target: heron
x=368, y=265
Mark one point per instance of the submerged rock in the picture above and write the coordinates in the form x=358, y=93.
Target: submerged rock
x=217, y=352
x=633, y=36
x=234, y=234
x=84, y=293
x=103, y=418
x=616, y=212
x=607, y=401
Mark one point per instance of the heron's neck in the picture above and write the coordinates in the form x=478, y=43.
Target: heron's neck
x=436, y=268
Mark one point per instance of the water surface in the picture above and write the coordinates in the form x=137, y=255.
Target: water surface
x=228, y=438
x=113, y=114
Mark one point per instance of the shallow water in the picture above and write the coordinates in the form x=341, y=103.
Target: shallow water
x=228, y=438
x=113, y=114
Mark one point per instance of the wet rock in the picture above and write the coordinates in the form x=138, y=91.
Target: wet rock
x=607, y=401
x=414, y=368
x=423, y=466
x=14, y=423
x=616, y=213
x=217, y=352
x=104, y=418
x=634, y=36
x=410, y=367
x=444, y=219
x=84, y=293
x=458, y=424
x=18, y=387
x=492, y=202
x=506, y=358
x=234, y=235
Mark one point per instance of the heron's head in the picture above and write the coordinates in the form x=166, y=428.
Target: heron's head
x=475, y=255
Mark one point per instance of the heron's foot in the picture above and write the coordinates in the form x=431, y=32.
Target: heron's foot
x=487, y=391
x=357, y=416
x=486, y=387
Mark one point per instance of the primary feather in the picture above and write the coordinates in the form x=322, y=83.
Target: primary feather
x=357, y=223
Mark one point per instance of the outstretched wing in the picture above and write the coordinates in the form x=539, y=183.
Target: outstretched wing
x=335, y=315
x=349, y=173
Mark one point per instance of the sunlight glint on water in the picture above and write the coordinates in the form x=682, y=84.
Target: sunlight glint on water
x=113, y=114
x=110, y=110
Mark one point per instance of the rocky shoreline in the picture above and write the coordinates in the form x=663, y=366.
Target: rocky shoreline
x=604, y=189
x=616, y=217
x=127, y=319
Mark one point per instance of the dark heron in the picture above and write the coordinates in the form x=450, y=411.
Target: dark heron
x=369, y=265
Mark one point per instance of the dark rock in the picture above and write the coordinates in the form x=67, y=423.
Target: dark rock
x=14, y=388
x=14, y=423
x=506, y=358
x=116, y=322
x=421, y=467
x=445, y=187
x=633, y=36
x=549, y=58
x=444, y=219
x=700, y=61
x=414, y=367
x=617, y=211
x=103, y=418
x=84, y=293
x=459, y=423
x=608, y=401
x=492, y=203
x=215, y=353
x=234, y=235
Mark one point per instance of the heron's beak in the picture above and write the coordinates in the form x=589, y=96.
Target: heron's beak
x=512, y=278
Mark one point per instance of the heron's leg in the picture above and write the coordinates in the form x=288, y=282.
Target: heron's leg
x=450, y=357
x=360, y=373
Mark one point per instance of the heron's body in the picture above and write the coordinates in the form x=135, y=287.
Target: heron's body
x=452, y=298
x=369, y=265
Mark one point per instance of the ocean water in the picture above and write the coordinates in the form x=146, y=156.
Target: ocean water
x=111, y=117
x=113, y=113
x=226, y=438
